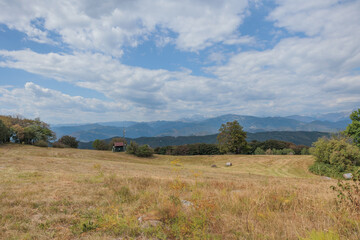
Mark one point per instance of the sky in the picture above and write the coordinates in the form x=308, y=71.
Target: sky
x=86, y=61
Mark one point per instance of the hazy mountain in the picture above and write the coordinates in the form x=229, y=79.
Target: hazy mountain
x=89, y=132
x=299, y=138
x=305, y=119
x=328, y=117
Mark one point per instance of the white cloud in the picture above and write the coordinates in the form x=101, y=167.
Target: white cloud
x=310, y=73
x=111, y=25
x=138, y=89
x=34, y=101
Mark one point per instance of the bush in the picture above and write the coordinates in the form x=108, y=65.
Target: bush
x=324, y=169
x=144, y=151
x=287, y=151
x=336, y=151
x=269, y=152
x=58, y=145
x=305, y=151
x=41, y=143
x=100, y=145
x=349, y=193
x=259, y=151
x=69, y=141
x=132, y=148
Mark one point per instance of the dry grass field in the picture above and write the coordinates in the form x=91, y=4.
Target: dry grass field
x=48, y=193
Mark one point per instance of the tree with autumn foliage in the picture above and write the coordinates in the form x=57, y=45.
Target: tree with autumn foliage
x=22, y=130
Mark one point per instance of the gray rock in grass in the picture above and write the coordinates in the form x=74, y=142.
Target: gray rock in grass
x=348, y=175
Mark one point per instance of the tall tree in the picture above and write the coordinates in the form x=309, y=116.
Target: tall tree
x=353, y=129
x=232, y=138
x=4, y=133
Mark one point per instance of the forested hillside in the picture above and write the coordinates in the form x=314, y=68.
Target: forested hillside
x=299, y=138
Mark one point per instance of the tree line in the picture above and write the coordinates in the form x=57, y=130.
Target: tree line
x=232, y=139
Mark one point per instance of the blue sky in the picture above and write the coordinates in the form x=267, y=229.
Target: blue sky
x=85, y=61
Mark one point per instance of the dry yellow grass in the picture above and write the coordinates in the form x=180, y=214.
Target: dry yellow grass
x=48, y=193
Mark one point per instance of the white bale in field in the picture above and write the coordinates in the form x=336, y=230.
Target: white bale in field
x=348, y=175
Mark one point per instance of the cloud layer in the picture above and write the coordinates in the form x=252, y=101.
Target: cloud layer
x=314, y=68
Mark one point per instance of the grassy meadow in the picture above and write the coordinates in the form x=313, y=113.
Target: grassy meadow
x=48, y=193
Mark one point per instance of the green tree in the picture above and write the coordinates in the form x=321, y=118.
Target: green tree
x=100, y=145
x=353, y=129
x=4, y=133
x=232, y=138
x=69, y=141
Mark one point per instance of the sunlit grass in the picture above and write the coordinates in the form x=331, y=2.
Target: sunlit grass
x=50, y=193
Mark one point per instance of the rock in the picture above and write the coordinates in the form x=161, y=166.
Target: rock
x=151, y=219
x=213, y=165
x=326, y=178
x=150, y=223
x=348, y=175
x=228, y=164
x=186, y=203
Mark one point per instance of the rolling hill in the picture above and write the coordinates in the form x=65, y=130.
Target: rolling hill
x=251, y=124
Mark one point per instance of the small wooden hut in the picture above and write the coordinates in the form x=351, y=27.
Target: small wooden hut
x=119, y=147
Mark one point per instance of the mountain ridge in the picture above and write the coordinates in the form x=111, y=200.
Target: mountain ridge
x=251, y=124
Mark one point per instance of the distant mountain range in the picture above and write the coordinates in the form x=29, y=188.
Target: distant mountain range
x=299, y=138
x=201, y=127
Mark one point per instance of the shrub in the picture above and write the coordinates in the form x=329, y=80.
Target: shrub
x=69, y=141
x=305, y=151
x=58, y=145
x=132, y=147
x=349, y=193
x=100, y=145
x=144, y=151
x=269, y=152
x=287, y=151
x=259, y=151
x=336, y=151
x=299, y=148
x=324, y=169
x=276, y=151
x=41, y=143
